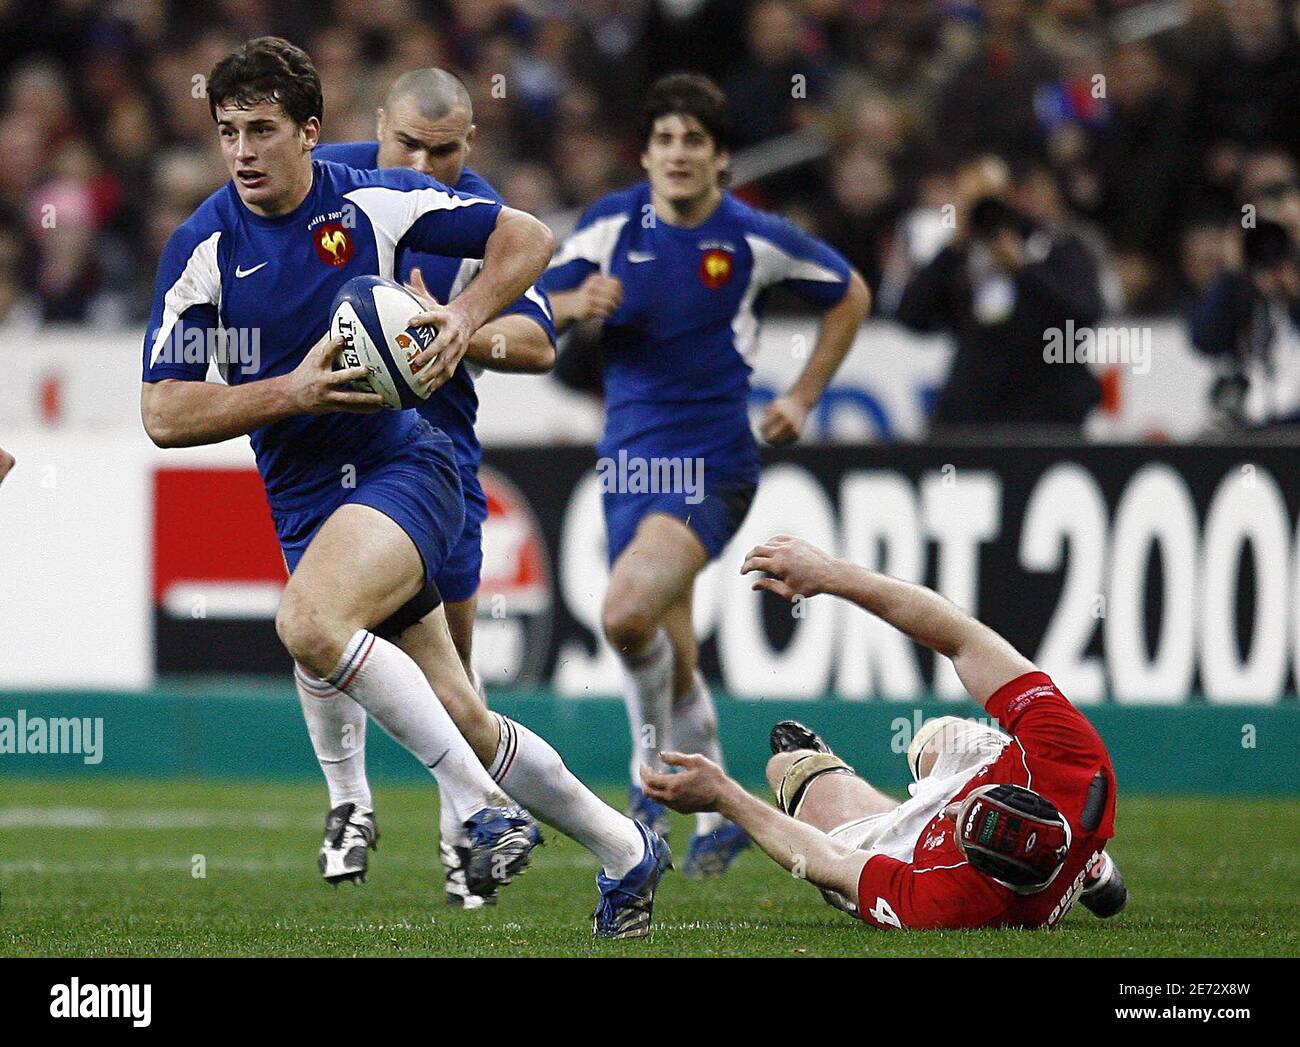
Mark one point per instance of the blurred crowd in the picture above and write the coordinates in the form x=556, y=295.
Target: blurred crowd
x=1142, y=127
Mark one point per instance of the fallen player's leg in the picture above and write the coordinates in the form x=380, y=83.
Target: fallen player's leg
x=815, y=786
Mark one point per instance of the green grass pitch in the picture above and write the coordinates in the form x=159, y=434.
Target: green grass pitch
x=107, y=868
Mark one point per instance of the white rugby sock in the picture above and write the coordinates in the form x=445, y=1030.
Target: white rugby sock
x=648, y=695
x=695, y=730
x=384, y=681
x=337, y=727
x=451, y=823
x=533, y=773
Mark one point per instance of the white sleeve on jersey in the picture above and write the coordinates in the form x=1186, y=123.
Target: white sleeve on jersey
x=772, y=265
x=199, y=283
x=593, y=243
x=392, y=212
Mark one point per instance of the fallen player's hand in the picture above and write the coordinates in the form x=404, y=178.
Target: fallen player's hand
x=316, y=388
x=6, y=463
x=696, y=787
x=782, y=421
x=794, y=567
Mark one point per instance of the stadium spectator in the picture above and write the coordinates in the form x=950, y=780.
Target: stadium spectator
x=1245, y=94
x=1249, y=322
x=1139, y=171
x=1243, y=318
x=988, y=103
x=998, y=288
x=781, y=86
x=1195, y=95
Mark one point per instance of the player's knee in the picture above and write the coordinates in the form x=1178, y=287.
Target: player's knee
x=308, y=635
x=779, y=764
x=627, y=625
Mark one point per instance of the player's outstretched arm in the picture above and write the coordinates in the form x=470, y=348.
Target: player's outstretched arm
x=984, y=660
x=187, y=414
x=783, y=420
x=701, y=785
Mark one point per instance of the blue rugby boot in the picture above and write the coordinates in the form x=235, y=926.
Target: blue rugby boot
x=641, y=808
x=711, y=854
x=499, y=841
x=627, y=905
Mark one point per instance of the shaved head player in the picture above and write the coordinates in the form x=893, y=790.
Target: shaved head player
x=427, y=124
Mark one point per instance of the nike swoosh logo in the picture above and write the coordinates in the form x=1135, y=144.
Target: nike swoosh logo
x=639, y=256
x=439, y=760
x=240, y=273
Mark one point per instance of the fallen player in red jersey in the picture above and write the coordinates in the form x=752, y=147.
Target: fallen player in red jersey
x=1002, y=829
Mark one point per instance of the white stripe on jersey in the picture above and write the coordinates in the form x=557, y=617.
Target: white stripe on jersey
x=535, y=296
x=771, y=266
x=198, y=284
x=470, y=268
x=392, y=212
x=594, y=244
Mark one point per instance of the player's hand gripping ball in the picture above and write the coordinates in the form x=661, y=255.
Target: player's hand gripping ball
x=372, y=316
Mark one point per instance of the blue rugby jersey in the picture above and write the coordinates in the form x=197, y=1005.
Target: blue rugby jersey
x=270, y=282
x=453, y=408
x=678, y=350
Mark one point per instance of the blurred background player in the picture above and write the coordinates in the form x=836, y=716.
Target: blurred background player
x=427, y=124
x=1002, y=830
x=677, y=270
x=376, y=497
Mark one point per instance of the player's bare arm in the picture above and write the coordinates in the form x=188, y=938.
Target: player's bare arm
x=984, y=660
x=514, y=257
x=783, y=420
x=596, y=298
x=699, y=784
x=6, y=463
x=188, y=414
x=512, y=344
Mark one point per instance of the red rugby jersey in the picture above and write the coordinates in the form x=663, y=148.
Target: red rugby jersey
x=1056, y=752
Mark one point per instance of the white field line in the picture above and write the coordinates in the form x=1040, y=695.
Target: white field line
x=138, y=818
x=581, y=863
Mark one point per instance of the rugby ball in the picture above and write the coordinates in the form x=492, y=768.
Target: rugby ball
x=372, y=316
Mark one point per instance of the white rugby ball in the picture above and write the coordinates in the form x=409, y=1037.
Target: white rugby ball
x=372, y=316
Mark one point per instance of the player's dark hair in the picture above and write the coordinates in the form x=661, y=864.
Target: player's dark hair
x=687, y=94
x=267, y=69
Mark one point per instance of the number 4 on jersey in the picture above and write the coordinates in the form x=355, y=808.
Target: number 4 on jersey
x=882, y=913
